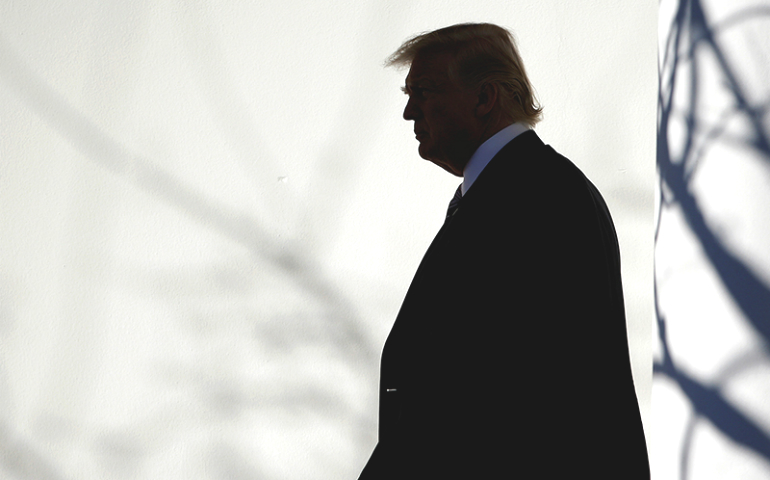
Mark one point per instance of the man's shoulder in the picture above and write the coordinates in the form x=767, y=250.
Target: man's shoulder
x=527, y=164
x=529, y=179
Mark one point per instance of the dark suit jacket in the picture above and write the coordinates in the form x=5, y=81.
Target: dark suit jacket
x=509, y=356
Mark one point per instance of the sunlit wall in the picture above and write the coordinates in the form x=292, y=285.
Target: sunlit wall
x=711, y=394
x=210, y=212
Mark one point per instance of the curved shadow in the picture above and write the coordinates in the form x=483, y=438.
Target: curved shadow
x=689, y=37
x=344, y=328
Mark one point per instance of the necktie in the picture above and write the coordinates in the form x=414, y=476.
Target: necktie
x=454, y=202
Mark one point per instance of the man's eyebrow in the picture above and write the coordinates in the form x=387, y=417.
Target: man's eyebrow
x=419, y=84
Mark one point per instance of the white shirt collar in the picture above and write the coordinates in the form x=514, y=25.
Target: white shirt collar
x=487, y=151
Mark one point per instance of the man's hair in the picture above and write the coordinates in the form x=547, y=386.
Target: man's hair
x=481, y=53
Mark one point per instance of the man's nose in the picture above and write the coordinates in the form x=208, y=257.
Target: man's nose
x=411, y=112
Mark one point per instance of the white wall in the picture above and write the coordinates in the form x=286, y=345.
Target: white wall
x=212, y=210
x=711, y=415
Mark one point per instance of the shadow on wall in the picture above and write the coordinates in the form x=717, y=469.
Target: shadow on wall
x=692, y=42
x=334, y=322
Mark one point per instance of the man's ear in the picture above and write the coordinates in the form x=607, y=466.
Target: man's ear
x=488, y=96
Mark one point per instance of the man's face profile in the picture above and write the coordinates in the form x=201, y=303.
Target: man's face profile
x=443, y=113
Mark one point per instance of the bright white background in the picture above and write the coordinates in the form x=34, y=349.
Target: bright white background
x=210, y=212
x=710, y=409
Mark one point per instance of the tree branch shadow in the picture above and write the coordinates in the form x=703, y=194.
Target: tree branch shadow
x=337, y=314
x=689, y=37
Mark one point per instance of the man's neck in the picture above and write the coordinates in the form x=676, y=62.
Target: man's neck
x=487, y=151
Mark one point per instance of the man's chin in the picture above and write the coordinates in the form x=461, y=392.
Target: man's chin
x=449, y=169
x=426, y=154
x=430, y=156
x=424, y=151
x=446, y=166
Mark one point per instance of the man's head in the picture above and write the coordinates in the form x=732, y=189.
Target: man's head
x=466, y=82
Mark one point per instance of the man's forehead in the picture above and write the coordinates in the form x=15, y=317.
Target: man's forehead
x=433, y=69
x=423, y=77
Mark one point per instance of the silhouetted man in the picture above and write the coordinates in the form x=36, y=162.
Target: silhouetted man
x=509, y=357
